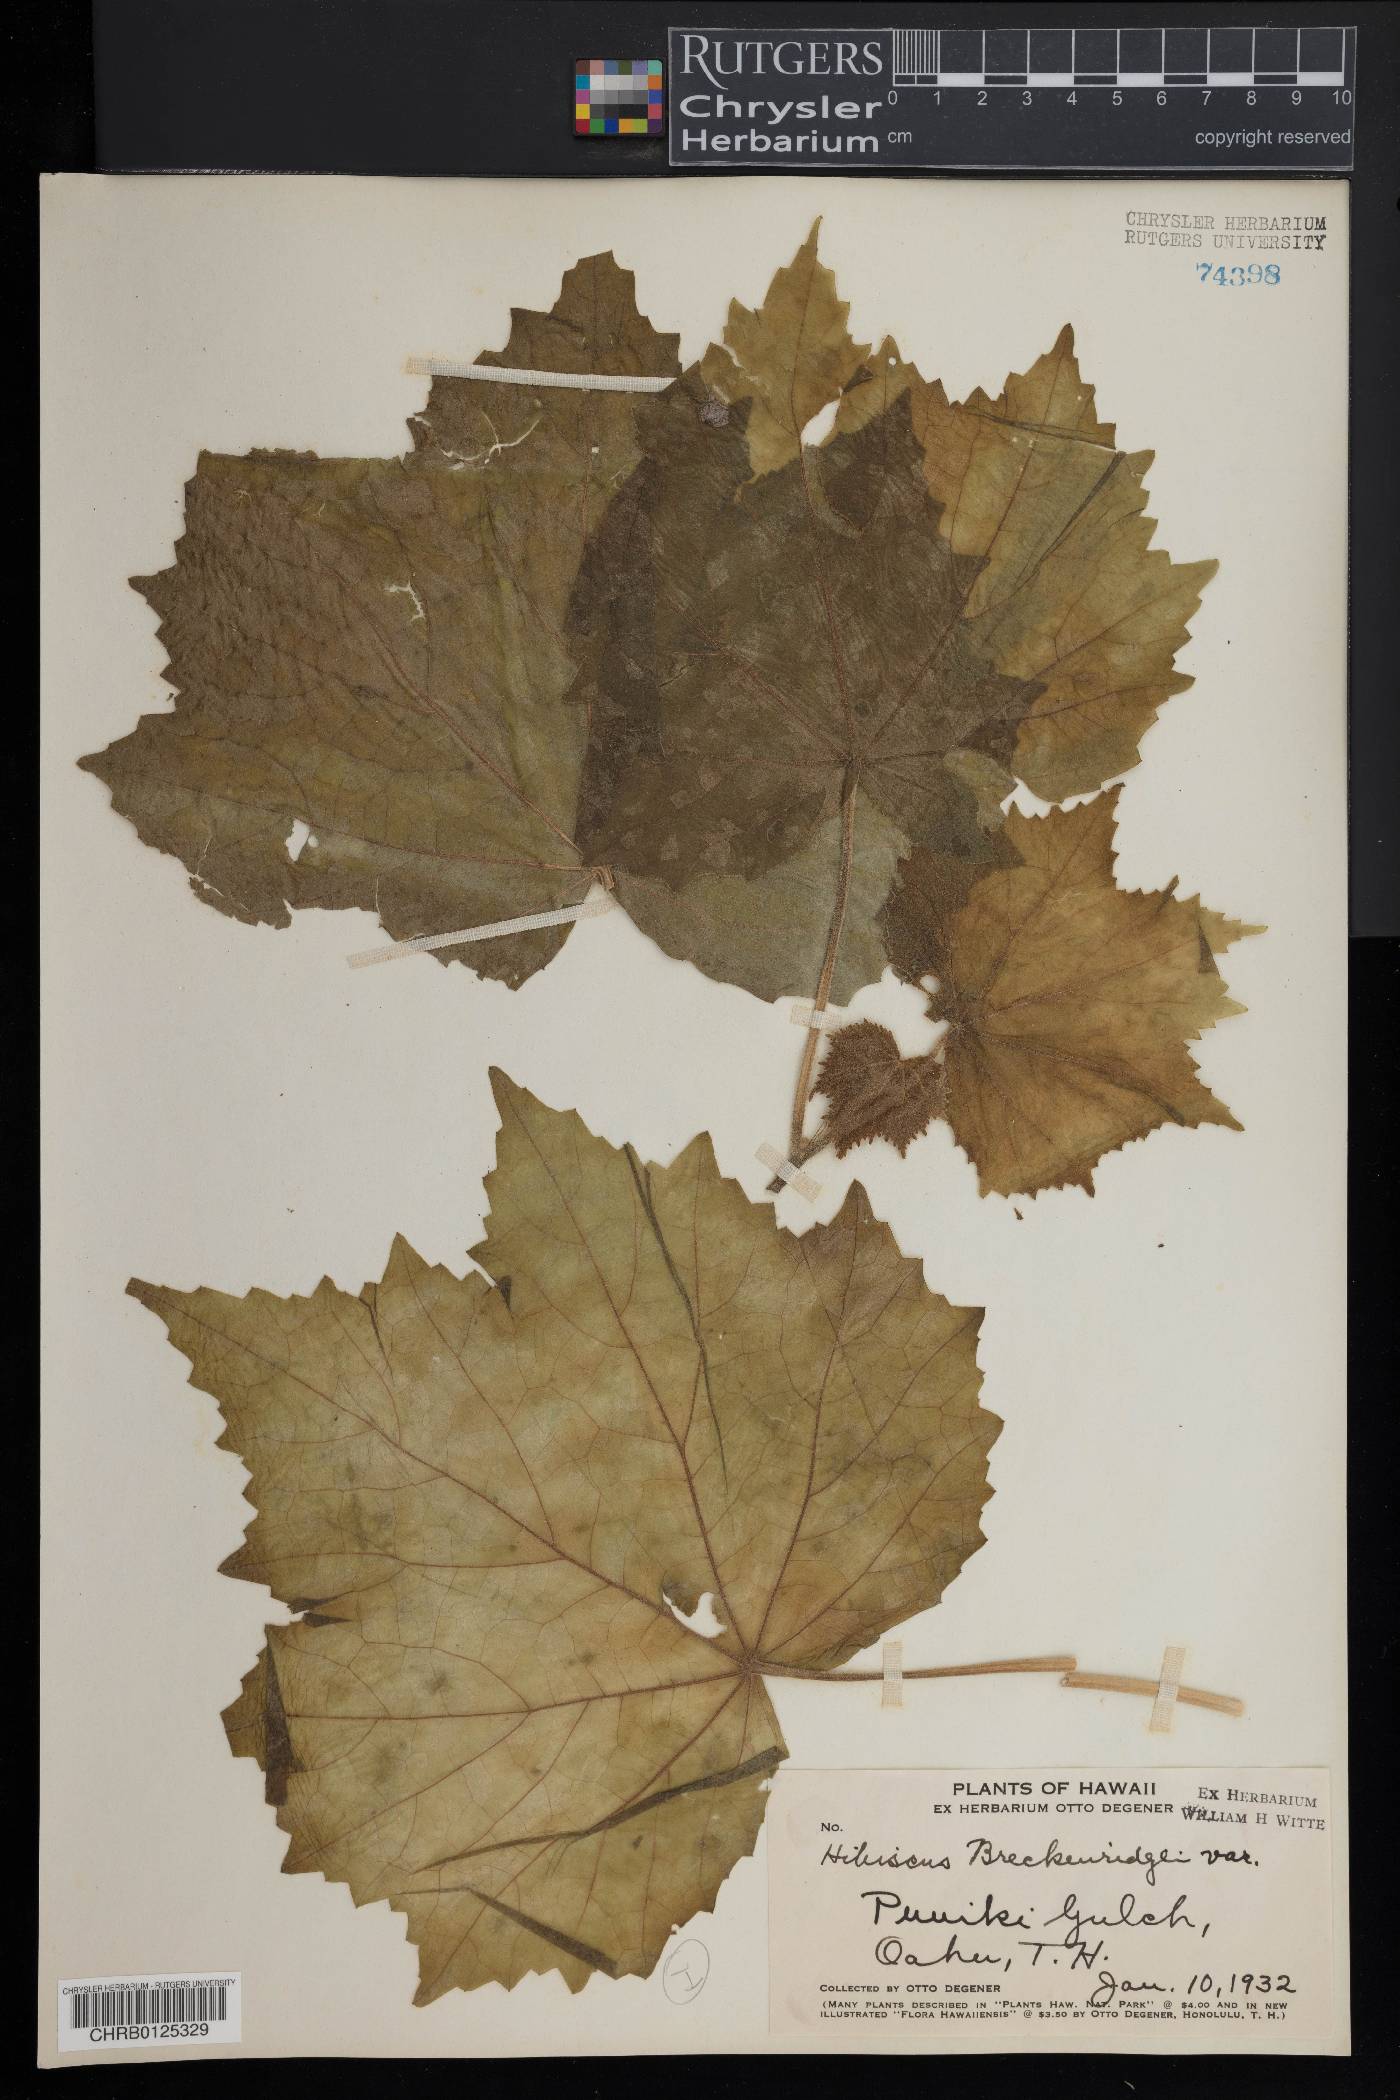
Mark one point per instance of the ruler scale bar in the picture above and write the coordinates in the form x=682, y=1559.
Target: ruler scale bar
x=1120, y=80
x=1193, y=99
x=979, y=58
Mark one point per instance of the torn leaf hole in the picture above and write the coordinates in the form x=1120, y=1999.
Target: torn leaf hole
x=818, y=430
x=703, y=1619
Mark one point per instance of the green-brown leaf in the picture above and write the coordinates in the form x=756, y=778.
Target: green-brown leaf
x=757, y=652
x=1070, y=1002
x=375, y=648
x=485, y=1501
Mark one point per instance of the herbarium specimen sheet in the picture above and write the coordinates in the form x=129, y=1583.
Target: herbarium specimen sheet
x=741, y=1447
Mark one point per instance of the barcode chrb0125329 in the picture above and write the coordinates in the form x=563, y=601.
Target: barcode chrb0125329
x=149, y=2012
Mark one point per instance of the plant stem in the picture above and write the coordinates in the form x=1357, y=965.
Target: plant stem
x=833, y=943
x=1071, y=1676
x=1059, y=1663
x=1147, y=1688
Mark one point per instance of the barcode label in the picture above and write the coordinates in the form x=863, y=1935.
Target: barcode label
x=149, y=2012
x=146, y=2004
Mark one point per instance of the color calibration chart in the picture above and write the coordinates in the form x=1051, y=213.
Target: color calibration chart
x=618, y=98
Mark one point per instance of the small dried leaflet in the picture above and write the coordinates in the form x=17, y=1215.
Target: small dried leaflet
x=487, y=1499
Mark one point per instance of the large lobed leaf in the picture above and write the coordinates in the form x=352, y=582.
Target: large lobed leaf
x=485, y=1498
x=1069, y=591
x=745, y=644
x=778, y=691
x=661, y=634
x=1069, y=1005
x=376, y=648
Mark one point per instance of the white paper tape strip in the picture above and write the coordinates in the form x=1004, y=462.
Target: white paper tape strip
x=591, y=910
x=892, y=1684
x=1168, y=1685
x=805, y=1015
x=769, y=1156
x=512, y=375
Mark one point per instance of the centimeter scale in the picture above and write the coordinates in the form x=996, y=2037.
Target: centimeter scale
x=1201, y=100
x=1120, y=58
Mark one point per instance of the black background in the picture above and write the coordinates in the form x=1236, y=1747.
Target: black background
x=363, y=86
x=470, y=87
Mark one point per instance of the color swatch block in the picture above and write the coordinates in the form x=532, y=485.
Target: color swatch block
x=618, y=97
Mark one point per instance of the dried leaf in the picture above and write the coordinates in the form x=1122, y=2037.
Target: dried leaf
x=789, y=360
x=484, y=1502
x=766, y=930
x=874, y=1092
x=375, y=647
x=590, y=439
x=1070, y=593
x=1069, y=1003
x=662, y=635
x=765, y=637
x=766, y=660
